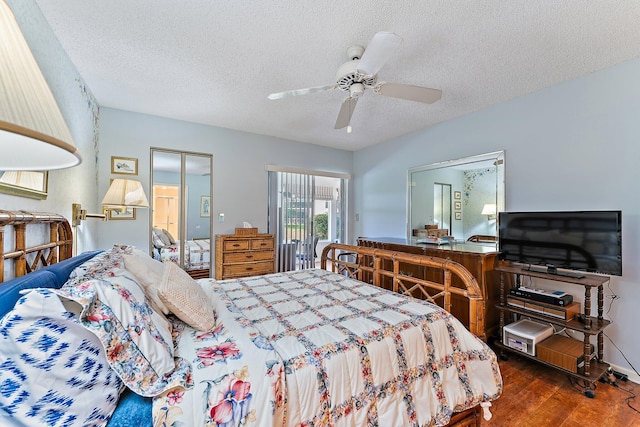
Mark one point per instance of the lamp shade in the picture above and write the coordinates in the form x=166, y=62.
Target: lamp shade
x=489, y=209
x=33, y=133
x=26, y=179
x=125, y=192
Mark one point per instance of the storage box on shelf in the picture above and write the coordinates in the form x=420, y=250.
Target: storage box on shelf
x=587, y=325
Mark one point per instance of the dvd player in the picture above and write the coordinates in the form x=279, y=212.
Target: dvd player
x=543, y=295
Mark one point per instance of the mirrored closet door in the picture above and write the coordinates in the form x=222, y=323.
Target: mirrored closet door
x=181, y=201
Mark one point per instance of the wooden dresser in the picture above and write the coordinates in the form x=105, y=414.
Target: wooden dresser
x=479, y=259
x=246, y=253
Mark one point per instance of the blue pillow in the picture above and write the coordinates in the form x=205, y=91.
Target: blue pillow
x=53, y=276
x=10, y=291
x=63, y=269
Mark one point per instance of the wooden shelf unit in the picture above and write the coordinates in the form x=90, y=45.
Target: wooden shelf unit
x=588, y=326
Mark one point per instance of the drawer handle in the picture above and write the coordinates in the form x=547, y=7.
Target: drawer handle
x=249, y=268
x=249, y=256
x=235, y=245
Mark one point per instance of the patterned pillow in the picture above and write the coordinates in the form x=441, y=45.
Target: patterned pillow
x=137, y=339
x=53, y=372
x=185, y=298
x=172, y=240
x=160, y=238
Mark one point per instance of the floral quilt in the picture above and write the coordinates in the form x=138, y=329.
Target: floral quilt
x=197, y=254
x=314, y=348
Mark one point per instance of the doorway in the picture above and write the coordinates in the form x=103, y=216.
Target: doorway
x=306, y=212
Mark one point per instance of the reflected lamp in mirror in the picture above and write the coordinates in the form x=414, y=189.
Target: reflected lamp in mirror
x=31, y=184
x=489, y=209
x=33, y=133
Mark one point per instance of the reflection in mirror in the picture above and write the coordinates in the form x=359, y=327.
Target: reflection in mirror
x=458, y=198
x=31, y=184
x=180, y=209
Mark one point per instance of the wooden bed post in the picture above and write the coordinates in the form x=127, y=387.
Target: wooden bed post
x=21, y=261
x=58, y=248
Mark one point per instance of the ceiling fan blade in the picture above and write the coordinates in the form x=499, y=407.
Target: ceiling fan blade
x=412, y=93
x=378, y=51
x=346, y=111
x=305, y=91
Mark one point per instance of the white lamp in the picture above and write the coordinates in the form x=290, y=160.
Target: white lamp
x=122, y=194
x=489, y=209
x=33, y=133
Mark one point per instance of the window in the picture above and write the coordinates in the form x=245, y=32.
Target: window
x=306, y=212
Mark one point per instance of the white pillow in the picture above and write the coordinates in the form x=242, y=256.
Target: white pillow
x=148, y=271
x=53, y=371
x=185, y=298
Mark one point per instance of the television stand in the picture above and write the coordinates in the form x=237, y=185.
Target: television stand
x=589, y=326
x=552, y=269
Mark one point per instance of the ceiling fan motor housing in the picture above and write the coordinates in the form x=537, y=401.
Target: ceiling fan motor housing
x=348, y=74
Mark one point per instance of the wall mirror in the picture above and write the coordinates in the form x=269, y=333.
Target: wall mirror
x=181, y=187
x=31, y=184
x=459, y=198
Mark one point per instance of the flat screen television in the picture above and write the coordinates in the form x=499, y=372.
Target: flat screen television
x=589, y=241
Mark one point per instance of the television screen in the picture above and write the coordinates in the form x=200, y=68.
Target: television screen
x=588, y=241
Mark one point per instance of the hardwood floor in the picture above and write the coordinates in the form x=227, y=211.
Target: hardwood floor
x=537, y=395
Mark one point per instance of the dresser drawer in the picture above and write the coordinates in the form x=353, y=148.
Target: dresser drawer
x=236, y=245
x=236, y=257
x=259, y=244
x=241, y=270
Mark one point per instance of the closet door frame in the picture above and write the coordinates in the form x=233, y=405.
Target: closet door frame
x=183, y=199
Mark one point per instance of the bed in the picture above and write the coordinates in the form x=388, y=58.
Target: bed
x=303, y=348
x=197, y=252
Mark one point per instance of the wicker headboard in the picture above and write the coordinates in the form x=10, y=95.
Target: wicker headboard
x=56, y=247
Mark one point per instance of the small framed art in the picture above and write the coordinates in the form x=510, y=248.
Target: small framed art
x=458, y=216
x=457, y=205
x=124, y=165
x=457, y=195
x=117, y=214
x=205, y=206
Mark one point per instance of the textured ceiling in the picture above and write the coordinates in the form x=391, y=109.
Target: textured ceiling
x=215, y=62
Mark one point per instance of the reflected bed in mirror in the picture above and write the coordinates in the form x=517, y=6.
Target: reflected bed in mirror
x=457, y=198
x=32, y=184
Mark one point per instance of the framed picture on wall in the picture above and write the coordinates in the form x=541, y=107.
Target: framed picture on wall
x=117, y=214
x=458, y=216
x=457, y=205
x=124, y=165
x=205, y=206
x=457, y=195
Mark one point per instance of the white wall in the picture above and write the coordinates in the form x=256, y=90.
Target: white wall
x=81, y=112
x=239, y=167
x=570, y=147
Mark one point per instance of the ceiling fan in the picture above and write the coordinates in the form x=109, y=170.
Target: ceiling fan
x=361, y=72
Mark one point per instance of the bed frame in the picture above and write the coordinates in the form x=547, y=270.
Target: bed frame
x=376, y=266
x=385, y=268
x=30, y=258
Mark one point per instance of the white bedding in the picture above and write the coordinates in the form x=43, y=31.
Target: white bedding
x=197, y=254
x=315, y=348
